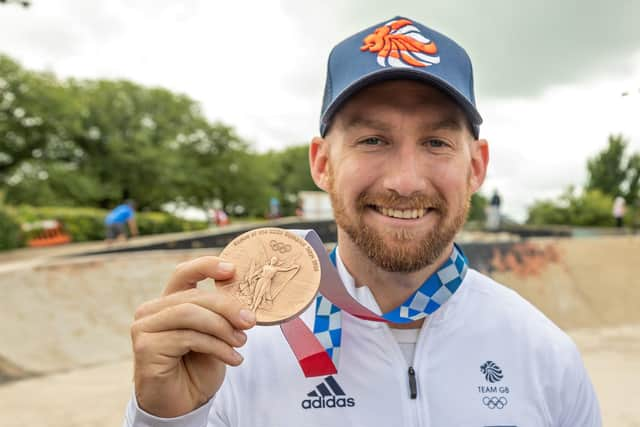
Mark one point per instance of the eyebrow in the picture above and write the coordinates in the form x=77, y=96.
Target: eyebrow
x=365, y=122
x=448, y=122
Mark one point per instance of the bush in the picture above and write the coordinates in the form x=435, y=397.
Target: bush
x=590, y=208
x=10, y=235
x=593, y=208
x=548, y=212
x=86, y=224
x=83, y=224
x=161, y=222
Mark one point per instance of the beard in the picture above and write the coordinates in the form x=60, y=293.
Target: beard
x=399, y=249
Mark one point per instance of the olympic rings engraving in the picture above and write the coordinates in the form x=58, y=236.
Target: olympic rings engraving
x=495, y=402
x=283, y=248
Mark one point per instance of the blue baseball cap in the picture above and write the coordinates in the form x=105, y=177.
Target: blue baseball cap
x=398, y=49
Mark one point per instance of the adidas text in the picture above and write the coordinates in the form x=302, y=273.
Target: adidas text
x=328, y=402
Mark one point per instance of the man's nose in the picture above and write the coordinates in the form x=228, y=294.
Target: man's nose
x=404, y=174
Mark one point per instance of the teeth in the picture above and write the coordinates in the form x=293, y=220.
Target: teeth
x=403, y=214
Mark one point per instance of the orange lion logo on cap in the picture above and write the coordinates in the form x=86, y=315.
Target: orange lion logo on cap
x=400, y=44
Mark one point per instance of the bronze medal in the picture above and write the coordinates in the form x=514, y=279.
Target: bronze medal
x=277, y=273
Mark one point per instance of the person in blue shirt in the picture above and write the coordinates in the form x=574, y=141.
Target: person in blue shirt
x=116, y=220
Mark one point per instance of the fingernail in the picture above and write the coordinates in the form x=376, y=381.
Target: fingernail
x=240, y=336
x=225, y=267
x=248, y=315
x=237, y=356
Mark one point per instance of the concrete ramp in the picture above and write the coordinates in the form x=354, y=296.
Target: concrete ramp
x=64, y=314
x=578, y=283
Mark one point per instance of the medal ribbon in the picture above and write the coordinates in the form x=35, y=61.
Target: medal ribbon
x=317, y=351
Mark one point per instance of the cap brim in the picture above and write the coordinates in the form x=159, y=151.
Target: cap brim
x=401, y=74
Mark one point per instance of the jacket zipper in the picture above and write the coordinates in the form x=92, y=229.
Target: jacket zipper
x=413, y=389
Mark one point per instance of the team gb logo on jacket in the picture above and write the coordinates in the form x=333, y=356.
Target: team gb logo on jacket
x=400, y=44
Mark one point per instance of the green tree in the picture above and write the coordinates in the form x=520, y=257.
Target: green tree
x=587, y=208
x=97, y=142
x=131, y=140
x=547, y=212
x=291, y=174
x=247, y=187
x=37, y=120
x=611, y=172
x=220, y=168
x=477, y=211
x=614, y=173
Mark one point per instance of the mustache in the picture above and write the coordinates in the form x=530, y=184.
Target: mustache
x=395, y=200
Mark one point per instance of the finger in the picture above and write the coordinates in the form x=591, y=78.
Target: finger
x=193, y=317
x=177, y=343
x=229, y=307
x=188, y=274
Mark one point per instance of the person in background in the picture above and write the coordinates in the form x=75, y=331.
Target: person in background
x=221, y=218
x=619, y=209
x=117, y=220
x=493, y=211
x=274, y=208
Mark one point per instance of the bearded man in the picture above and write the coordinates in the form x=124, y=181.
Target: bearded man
x=400, y=155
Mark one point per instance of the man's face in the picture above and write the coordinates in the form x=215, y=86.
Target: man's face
x=400, y=168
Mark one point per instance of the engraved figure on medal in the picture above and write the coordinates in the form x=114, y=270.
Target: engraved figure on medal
x=259, y=285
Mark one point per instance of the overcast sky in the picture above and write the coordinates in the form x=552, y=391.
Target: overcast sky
x=549, y=74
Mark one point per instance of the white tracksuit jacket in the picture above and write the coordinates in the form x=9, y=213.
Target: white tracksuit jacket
x=544, y=382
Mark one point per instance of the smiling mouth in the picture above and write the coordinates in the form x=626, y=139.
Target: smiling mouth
x=401, y=213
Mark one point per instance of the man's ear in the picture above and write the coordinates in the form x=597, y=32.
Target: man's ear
x=479, y=163
x=319, y=161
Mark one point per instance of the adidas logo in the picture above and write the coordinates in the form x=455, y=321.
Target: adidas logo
x=328, y=394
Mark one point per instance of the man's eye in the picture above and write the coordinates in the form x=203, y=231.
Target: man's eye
x=436, y=143
x=372, y=141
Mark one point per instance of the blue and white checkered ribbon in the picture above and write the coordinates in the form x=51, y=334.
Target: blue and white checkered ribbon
x=431, y=295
